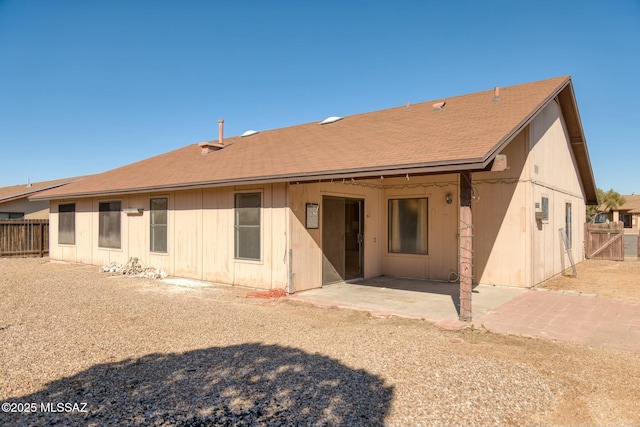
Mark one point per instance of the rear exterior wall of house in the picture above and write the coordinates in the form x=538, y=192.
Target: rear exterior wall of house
x=512, y=247
x=438, y=255
x=200, y=229
x=263, y=236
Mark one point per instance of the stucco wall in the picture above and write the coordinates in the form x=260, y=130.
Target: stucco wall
x=31, y=210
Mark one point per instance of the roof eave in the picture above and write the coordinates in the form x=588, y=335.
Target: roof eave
x=566, y=98
x=31, y=193
x=569, y=106
x=429, y=168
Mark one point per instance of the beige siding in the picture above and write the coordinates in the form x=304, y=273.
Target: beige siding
x=306, y=252
x=442, y=259
x=200, y=236
x=306, y=244
x=82, y=250
x=187, y=239
x=554, y=173
x=501, y=222
x=511, y=247
x=217, y=234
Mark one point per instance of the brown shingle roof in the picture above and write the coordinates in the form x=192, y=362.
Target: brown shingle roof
x=20, y=191
x=466, y=134
x=631, y=204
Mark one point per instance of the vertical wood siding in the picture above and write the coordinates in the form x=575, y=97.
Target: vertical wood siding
x=512, y=248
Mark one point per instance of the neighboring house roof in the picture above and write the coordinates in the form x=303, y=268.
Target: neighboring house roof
x=15, y=192
x=631, y=204
x=464, y=135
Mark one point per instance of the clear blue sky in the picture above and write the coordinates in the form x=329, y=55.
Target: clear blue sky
x=87, y=86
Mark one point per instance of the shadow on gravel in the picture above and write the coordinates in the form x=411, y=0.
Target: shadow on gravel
x=248, y=384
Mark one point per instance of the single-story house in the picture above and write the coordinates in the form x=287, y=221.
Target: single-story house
x=15, y=203
x=628, y=213
x=472, y=188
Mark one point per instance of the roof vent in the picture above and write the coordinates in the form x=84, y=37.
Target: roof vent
x=331, y=119
x=496, y=94
x=249, y=133
x=209, y=146
x=439, y=106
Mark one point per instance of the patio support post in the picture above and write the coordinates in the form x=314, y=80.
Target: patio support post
x=465, y=234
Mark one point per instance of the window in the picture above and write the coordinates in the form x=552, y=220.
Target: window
x=545, y=209
x=567, y=225
x=67, y=224
x=408, y=226
x=109, y=225
x=158, y=232
x=11, y=215
x=247, y=225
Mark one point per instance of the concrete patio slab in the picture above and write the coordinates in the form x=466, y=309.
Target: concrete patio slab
x=576, y=318
x=386, y=296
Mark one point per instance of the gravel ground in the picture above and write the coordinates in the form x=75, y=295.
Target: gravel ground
x=142, y=352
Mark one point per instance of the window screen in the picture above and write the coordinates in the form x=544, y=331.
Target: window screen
x=408, y=226
x=158, y=232
x=247, y=225
x=109, y=225
x=67, y=224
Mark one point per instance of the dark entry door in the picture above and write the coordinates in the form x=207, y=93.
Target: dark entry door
x=342, y=239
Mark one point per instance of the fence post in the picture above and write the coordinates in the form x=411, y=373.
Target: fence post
x=41, y=239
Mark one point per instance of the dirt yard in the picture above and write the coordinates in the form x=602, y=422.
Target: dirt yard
x=607, y=279
x=79, y=348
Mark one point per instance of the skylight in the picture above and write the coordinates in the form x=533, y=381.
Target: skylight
x=249, y=133
x=331, y=119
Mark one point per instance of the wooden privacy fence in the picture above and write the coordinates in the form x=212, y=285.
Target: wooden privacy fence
x=24, y=237
x=605, y=241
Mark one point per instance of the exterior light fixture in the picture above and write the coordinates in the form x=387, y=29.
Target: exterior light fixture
x=133, y=211
x=448, y=198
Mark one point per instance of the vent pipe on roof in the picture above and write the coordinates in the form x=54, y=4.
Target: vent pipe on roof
x=496, y=94
x=209, y=146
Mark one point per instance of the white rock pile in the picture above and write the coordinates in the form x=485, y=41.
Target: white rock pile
x=133, y=268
